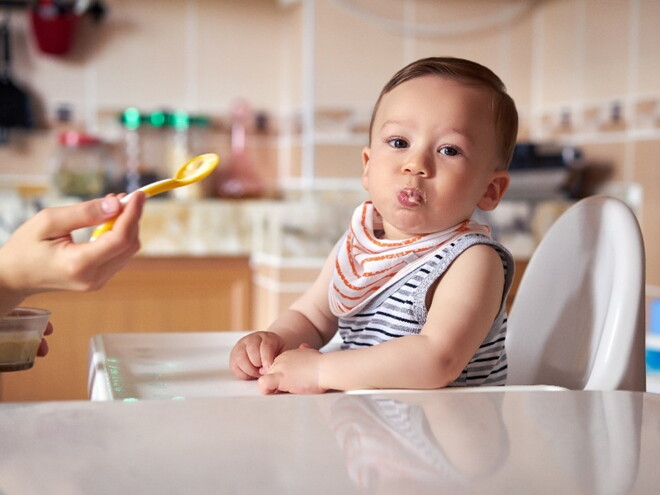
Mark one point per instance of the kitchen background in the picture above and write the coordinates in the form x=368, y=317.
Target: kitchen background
x=283, y=90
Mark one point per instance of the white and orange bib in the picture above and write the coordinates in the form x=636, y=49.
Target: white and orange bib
x=365, y=264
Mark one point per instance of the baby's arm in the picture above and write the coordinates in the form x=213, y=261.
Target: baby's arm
x=308, y=322
x=462, y=309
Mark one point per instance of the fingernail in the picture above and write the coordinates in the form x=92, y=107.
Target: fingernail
x=109, y=206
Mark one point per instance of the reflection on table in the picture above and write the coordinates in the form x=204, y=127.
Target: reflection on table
x=410, y=442
x=390, y=443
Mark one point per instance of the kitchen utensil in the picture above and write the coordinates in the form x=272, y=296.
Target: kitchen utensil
x=15, y=110
x=192, y=171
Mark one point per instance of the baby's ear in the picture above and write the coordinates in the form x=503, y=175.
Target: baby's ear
x=366, y=153
x=495, y=190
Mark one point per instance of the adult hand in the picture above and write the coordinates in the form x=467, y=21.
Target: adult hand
x=41, y=254
x=43, y=345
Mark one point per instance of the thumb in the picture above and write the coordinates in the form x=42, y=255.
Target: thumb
x=64, y=219
x=268, y=384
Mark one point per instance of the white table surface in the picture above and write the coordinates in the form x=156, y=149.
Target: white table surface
x=509, y=442
x=147, y=366
x=222, y=437
x=126, y=366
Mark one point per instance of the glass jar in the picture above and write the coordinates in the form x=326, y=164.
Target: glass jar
x=80, y=168
x=239, y=178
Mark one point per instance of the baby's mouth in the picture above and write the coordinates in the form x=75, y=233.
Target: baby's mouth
x=411, y=197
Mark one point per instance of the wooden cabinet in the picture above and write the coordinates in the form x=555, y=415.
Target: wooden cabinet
x=148, y=295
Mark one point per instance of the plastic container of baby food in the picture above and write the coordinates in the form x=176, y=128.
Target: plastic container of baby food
x=21, y=332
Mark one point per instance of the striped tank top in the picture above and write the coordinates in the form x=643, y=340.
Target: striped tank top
x=400, y=309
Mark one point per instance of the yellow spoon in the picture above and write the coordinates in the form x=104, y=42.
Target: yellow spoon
x=192, y=171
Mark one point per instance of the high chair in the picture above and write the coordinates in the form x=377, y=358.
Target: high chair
x=578, y=317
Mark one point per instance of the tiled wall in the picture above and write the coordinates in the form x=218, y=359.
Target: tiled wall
x=567, y=63
x=193, y=55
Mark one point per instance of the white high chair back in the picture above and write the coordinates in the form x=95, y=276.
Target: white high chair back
x=578, y=319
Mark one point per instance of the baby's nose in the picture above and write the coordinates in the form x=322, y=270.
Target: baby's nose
x=417, y=165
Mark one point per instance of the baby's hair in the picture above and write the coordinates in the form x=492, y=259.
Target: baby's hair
x=468, y=72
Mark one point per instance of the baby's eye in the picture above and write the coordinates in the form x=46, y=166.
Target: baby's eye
x=449, y=151
x=397, y=143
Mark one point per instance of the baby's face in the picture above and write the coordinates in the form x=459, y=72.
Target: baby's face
x=433, y=156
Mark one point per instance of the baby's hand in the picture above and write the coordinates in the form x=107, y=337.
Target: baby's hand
x=254, y=354
x=296, y=371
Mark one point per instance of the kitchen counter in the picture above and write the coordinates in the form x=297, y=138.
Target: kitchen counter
x=168, y=227
x=201, y=227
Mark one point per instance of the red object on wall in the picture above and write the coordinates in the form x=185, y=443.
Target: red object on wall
x=54, y=29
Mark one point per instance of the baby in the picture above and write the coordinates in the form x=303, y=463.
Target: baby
x=415, y=288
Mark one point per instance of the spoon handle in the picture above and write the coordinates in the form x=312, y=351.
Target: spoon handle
x=149, y=190
x=102, y=229
x=159, y=187
x=192, y=171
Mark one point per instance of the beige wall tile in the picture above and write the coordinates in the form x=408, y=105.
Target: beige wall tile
x=560, y=50
x=291, y=68
x=239, y=53
x=355, y=58
x=648, y=41
x=648, y=173
x=606, y=61
x=339, y=161
x=475, y=32
x=516, y=61
x=143, y=58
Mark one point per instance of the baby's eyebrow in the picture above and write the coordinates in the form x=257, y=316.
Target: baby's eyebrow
x=388, y=123
x=463, y=134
